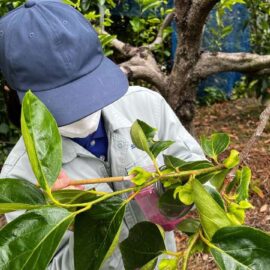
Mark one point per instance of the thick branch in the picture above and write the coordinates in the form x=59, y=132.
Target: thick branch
x=124, y=48
x=198, y=14
x=211, y=63
x=144, y=66
x=159, y=39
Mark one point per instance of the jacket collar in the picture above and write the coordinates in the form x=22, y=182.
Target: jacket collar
x=113, y=120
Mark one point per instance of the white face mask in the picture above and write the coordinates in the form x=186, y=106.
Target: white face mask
x=81, y=128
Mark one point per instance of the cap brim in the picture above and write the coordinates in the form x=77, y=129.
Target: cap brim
x=86, y=95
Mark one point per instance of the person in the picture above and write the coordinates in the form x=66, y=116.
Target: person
x=48, y=47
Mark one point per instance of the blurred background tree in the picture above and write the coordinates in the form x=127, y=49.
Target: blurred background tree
x=175, y=49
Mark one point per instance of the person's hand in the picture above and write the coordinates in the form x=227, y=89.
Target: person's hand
x=63, y=182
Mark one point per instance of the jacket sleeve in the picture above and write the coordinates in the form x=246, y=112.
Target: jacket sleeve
x=170, y=128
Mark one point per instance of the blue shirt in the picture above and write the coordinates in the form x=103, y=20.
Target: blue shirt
x=97, y=142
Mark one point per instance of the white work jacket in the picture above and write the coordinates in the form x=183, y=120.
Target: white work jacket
x=137, y=103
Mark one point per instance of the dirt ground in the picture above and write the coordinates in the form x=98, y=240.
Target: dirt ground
x=238, y=118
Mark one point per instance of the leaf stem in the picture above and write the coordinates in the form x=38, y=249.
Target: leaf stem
x=193, y=172
x=189, y=248
x=172, y=253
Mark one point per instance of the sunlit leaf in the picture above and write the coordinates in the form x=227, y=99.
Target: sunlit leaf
x=30, y=241
x=241, y=248
x=42, y=140
x=212, y=216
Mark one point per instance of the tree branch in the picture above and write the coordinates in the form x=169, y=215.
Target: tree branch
x=124, y=48
x=264, y=118
x=144, y=66
x=199, y=12
x=211, y=63
x=159, y=39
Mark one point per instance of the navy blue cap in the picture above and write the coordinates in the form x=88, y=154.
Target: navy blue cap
x=50, y=48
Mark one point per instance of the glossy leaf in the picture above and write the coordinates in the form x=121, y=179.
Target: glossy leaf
x=96, y=233
x=212, y=216
x=173, y=162
x=30, y=241
x=218, y=178
x=10, y=207
x=171, y=207
x=189, y=226
x=241, y=248
x=157, y=147
x=215, y=195
x=196, y=165
x=215, y=145
x=69, y=196
x=20, y=191
x=18, y=194
x=144, y=243
x=243, y=188
x=141, y=134
x=42, y=140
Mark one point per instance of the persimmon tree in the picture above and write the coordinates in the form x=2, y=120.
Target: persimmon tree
x=30, y=241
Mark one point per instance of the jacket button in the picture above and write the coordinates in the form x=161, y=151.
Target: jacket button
x=120, y=145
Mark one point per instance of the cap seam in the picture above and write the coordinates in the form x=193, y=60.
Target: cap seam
x=43, y=90
x=59, y=41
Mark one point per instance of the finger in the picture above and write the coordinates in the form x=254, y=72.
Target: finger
x=62, y=181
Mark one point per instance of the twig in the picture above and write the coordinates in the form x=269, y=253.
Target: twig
x=159, y=39
x=264, y=117
x=100, y=180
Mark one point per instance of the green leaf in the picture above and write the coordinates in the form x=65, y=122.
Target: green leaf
x=10, y=207
x=215, y=195
x=96, y=233
x=173, y=162
x=160, y=146
x=18, y=194
x=42, y=140
x=150, y=265
x=189, y=226
x=168, y=264
x=171, y=207
x=214, y=146
x=196, y=165
x=69, y=196
x=30, y=241
x=232, y=160
x=184, y=193
x=141, y=134
x=212, y=216
x=243, y=188
x=236, y=212
x=217, y=178
x=144, y=243
x=241, y=248
x=20, y=191
x=141, y=175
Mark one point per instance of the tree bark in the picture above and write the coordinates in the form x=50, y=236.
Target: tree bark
x=182, y=86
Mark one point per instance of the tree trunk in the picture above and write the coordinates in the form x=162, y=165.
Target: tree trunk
x=183, y=83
